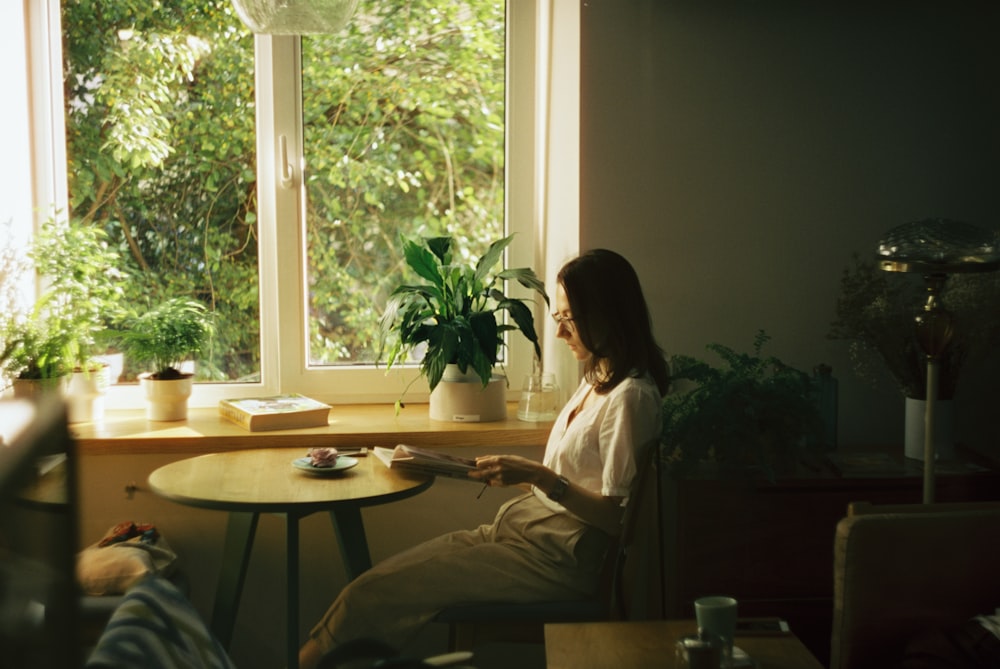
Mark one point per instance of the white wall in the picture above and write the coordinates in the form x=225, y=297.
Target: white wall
x=739, y=152
x=15, y=168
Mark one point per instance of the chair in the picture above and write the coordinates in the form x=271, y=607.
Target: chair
x=901, y=571
x=632, y=561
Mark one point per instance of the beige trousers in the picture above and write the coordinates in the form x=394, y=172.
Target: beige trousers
x=529, y=553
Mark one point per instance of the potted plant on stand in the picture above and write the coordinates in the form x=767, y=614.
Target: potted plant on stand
x=875, y=314
x=454, y=314
x=161, y=339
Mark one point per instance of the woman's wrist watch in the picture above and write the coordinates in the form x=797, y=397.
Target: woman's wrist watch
x=558, y=488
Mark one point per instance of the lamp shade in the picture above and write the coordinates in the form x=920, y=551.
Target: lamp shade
x=294, y=17
x=939, y=245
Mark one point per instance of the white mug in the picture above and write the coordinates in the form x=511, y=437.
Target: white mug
x=717, y=616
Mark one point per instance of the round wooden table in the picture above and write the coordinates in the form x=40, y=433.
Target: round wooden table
x=250, y=482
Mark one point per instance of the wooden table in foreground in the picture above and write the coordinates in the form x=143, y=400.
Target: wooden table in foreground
x=643, y=644
x=250, y=482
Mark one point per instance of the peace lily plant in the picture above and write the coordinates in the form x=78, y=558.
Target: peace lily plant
x=457, y=311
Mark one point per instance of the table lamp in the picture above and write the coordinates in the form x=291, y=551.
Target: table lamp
x=294, y=17
x=936, y=248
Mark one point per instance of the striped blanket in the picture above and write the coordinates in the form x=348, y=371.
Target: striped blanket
x=156, y=627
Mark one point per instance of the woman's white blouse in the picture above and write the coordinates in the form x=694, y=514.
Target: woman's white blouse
x=598, y=450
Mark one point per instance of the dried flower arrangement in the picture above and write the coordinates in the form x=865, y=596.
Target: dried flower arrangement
x=875, y=313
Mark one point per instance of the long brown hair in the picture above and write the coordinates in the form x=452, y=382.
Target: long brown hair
x=612, y=319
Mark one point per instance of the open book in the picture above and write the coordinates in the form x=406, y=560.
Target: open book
x=424, y=461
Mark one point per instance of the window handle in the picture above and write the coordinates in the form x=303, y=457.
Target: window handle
x=287, y=171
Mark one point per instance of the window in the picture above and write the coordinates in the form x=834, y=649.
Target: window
x=293, y=355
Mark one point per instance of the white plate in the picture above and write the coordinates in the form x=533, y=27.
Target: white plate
x=343, y=462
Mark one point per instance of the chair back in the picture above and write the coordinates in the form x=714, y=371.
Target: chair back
x=630, y=581
x=901, y=571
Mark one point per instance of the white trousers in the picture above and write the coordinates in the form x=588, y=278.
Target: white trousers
x=529, y=553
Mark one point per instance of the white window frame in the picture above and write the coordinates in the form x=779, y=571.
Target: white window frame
x=284, y=331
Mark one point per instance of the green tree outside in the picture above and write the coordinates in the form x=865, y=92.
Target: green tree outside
x=404, y=135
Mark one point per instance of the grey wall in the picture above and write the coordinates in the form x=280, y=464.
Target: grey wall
x=739, y=152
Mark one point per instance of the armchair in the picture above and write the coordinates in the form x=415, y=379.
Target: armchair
x=902, y=571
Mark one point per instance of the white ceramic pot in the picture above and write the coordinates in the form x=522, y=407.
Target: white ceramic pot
x=33, y=389
x=167, y=399
x=461, y=398
x=944, y=429
x=85, y=395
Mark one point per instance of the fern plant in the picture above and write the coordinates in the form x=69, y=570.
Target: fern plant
x=455, y=313
x=752, y=413
x=166, y=335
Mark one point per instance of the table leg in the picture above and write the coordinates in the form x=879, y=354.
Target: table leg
x=240, y=531
x=292, y=584
x=350, y=533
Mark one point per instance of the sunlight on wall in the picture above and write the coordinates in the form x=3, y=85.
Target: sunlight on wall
x=15, y=168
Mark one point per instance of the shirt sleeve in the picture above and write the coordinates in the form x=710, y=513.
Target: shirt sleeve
x=631, y=423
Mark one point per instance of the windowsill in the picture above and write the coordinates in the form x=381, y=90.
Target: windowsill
x=205, y=431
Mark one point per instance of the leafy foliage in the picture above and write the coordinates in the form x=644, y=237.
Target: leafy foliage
x=406, y=137
x=403, y=129
x=83, y=289
x=455, y=312
x=875, y=313
x=749, y=414
x=166, y=335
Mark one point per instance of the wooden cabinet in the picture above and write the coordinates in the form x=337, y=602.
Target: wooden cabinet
x=770, y=544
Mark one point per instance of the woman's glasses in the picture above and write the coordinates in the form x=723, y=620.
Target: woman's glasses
x=564, y=320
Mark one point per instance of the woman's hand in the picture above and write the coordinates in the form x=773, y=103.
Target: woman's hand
x=602, y=512
x=507, y=470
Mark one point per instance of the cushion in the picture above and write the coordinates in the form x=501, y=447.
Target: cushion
x=128, y=552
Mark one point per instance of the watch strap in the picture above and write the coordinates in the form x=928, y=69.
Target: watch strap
x=559, y=489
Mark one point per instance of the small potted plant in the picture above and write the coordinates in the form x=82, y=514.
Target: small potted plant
x=456, y=314
x=55, y=343
x=35, y=359
x=83, y=299
x=749, y=416
x=161, y=339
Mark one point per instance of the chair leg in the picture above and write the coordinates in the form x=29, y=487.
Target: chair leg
x=461, y=636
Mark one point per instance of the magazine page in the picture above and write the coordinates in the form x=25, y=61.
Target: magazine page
x=425, y=461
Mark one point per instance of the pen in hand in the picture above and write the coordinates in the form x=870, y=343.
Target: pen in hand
x=485, y=486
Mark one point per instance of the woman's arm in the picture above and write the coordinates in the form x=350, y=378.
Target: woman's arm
x=604, y=513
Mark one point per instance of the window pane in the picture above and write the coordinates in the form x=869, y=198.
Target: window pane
x=161, y=153
x=404, y=135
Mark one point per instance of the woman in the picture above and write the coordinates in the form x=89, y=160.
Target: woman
x=547, y=544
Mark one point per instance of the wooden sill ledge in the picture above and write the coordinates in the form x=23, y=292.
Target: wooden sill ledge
x=129, y=432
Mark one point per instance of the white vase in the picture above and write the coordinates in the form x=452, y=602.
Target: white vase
x=944, y=429
x=461, y=398
x=85, y=394
x=167, y=400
